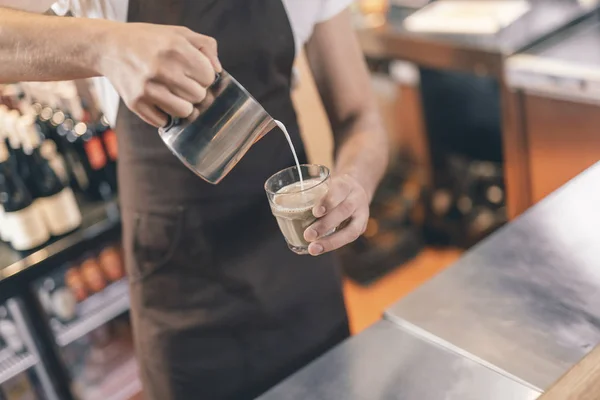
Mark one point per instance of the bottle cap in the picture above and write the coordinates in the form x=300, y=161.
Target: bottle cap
x=80, y=129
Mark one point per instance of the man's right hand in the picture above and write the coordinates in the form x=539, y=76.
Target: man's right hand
x=159, y=69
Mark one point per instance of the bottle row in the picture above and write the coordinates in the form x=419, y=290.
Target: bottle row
x=50, y=149
x=61, y=293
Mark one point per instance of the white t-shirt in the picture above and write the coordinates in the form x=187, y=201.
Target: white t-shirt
x=303, y=15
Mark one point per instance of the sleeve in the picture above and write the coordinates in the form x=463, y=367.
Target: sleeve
x=37, y=6
x=61, y=7
x=331, y=8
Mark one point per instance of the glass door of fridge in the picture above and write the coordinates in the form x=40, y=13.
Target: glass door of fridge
x=23, y=376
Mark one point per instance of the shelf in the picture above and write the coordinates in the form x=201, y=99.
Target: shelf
x=12, y=365
x=94, y=312
x=122, y=383
x=98, y=218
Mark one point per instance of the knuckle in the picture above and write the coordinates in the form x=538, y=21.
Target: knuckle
x=211, y=42
x=152, y=71
x=146, y=91
x=163, y=72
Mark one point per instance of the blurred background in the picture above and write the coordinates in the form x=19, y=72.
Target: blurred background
x=490, y=107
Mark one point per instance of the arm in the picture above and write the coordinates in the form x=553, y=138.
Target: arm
x=37, y=47
x=155, y=68
x=361, y=148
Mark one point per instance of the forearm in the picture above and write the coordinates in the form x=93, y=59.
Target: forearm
x=362, y=150
x=41, y=48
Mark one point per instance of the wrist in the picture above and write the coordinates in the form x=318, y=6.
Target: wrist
x=363, y=182
x=100, y=35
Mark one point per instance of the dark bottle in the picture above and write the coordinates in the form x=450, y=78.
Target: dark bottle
x=109, y=139
x=55, y=201
x=91, y=151
x=77, y=166
x=23, y=222
x=17, y=156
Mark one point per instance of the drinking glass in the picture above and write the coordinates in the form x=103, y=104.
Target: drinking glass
x=292, y=204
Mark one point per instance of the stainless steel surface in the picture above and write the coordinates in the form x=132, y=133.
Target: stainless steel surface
x=526, y=301
x=386, y=362
x=565, y=66
x=480, y=54
x=220, y=131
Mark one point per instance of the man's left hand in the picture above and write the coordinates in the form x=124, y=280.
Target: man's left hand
x=345, y=207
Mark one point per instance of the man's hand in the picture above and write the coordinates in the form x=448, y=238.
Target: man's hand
x=159, y=69
x=346, y=201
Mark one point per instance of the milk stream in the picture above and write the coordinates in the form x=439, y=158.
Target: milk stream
x=289, y=139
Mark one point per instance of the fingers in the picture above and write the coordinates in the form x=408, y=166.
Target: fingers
x=151, y=115
x=188, y=90
x=349, y=234
x=334, y=218
x=339, y=190
x=166, y=101
x=346, y=208
x=206, y=45
x=199, y=66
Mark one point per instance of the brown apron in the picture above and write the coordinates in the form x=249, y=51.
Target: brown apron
x=221, y=308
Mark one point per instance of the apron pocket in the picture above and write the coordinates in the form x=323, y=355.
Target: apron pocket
x=156, y=238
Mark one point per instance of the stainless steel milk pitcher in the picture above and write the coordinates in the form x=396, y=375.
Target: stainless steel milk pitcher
x=220, y=130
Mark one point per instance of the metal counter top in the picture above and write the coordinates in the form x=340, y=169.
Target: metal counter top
x=472, y=53
x=526, y=301
x=386, y=362
x=565, y=65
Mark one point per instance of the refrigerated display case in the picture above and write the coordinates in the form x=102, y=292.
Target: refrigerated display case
x=85, y=302
x=69, y=301
x=23, y=375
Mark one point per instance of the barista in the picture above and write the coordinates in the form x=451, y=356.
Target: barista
x=220, y=307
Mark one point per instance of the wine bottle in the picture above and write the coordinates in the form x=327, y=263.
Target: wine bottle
x=72, y=105
x=17, y=156
x=56, y=201
x=62, y=126
x=109, y=139
x=91, y=151
x=22, y=219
